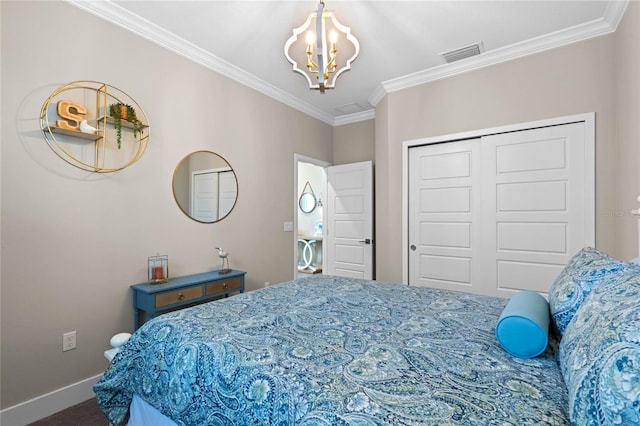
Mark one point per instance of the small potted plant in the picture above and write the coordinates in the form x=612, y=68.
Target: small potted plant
x=119, y=112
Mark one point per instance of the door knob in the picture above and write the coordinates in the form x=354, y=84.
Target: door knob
x=366, y=241
x=413, y=247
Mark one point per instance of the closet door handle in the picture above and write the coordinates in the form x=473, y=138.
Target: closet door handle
x=366, y=241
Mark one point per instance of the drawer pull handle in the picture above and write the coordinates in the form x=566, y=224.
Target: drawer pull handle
x=224, y=286
x=180, y=296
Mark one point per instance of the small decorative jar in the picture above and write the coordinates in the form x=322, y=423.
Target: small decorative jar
x=158, y=268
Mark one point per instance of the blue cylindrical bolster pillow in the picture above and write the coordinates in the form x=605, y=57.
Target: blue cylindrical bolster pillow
x=523, y=326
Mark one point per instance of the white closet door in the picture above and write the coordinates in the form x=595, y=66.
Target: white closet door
x=444, y=208
x=228, y=192
x=204, y=200
x=501, y=213
x=533, y=210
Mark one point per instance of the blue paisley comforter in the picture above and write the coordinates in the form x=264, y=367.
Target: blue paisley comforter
x=334, y=351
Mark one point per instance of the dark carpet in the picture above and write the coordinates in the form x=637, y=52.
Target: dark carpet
x=84, y=414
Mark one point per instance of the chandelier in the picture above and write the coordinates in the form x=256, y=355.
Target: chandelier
x=319, y=49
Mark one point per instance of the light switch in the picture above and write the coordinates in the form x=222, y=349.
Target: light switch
x=288, y=227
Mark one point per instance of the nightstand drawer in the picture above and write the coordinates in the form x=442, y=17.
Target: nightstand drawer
x=150, y=300
x=182, y=295
x=223, y=285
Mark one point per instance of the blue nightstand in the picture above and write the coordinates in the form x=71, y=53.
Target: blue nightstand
x=150, y=300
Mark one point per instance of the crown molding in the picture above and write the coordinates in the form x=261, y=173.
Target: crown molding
x=379, y=93
x=369, y=114
x=614, y=12
x=117, y=15
x=608, y=24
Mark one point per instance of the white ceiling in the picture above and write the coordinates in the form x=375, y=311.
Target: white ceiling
x=400, y=41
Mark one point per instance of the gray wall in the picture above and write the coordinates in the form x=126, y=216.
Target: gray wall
x=73, y=242
x=597, y=75
x=627, y=111
x=354, y=142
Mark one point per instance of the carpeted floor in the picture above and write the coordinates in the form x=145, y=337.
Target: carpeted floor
x=84, y=414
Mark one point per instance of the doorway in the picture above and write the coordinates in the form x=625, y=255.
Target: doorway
x=333, y=219
x=310, y=186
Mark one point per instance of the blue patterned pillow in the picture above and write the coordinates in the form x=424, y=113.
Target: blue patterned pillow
x=581, y=275
x=600, y=354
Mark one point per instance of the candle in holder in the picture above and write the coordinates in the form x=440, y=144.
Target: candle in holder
x=158, y=269
x=158, y=273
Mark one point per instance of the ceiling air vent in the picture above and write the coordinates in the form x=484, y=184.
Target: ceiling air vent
x=349, y=108
x=463, y=52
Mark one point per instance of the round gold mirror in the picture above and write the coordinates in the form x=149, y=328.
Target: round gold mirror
x=205, y=186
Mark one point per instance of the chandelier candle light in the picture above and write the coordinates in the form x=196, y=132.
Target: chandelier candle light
x=322, y=63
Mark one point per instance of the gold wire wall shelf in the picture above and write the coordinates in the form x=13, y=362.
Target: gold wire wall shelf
x=77, y=124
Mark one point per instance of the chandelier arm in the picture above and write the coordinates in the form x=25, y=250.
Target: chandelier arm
x=290, y=42
x=321, y=43
x=347, y=31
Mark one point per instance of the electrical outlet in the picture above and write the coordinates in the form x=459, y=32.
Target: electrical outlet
x=266, y=284
x=288, y=226
x=68, y=341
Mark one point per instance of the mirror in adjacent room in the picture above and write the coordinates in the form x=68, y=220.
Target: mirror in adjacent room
x=307, y=200
x=205, y=186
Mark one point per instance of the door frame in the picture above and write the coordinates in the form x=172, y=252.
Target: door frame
x=299, y=158
x=587, y=118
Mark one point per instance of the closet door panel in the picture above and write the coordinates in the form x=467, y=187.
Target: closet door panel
x=531, y=196
x=510, y=275
x=446, y=200
x=534, y=237
x=536, y=155
x=533, y=215
x=443, y=206
x=447, y=269
x=445, y=234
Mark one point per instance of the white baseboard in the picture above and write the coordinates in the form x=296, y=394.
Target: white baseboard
x=48, y=404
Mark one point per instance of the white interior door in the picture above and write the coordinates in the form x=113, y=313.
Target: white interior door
x=349, y=220
x=500, y=213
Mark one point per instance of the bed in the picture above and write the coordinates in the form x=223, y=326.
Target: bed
x=326, y=350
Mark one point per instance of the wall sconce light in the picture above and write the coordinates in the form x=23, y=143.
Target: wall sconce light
x=322, y=64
